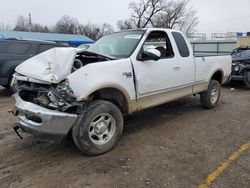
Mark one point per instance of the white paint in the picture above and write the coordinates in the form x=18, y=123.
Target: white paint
x=155, y=52
x=109, y=74
x=152, y=77
x=50, y=66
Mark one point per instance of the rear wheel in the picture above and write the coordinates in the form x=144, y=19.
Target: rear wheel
x=210, y=98
x=247, y=79
x=99, y=129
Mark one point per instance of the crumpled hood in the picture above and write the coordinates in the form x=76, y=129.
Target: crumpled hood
x=51, y=66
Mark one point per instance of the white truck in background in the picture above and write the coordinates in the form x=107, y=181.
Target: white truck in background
x=87, y=93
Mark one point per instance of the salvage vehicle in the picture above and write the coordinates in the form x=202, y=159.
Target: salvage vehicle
x=13, y=52
x=88, y=93
x=241, y=65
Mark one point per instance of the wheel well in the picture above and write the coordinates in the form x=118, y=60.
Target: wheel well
x=112, y=95
x=218, y=76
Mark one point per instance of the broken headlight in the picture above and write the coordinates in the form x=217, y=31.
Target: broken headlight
x=65, y=90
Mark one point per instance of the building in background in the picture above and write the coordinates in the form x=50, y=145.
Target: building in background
x=216, y=43
x=72, y=40
x=213, y=46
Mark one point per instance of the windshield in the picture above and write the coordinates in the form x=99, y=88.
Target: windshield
x=119, y=45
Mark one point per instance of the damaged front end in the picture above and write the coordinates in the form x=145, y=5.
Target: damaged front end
x=47, y=111
x=52, y=96
x=45, y=102
x=42, y=122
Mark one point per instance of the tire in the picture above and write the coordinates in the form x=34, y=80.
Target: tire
x=98, y=130
x=247, y=79
x=211, y=97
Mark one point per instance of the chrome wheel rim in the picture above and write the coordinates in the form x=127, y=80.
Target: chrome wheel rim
x=102, y=129
x=214, y=95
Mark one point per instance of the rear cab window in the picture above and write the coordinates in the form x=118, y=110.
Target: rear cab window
x=181, y=44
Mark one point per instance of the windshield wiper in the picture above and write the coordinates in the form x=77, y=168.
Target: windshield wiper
x=99, y=54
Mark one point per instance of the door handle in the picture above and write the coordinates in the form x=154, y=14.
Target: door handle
x=177, y=68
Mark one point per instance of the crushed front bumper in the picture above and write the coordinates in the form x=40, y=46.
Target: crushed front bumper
x=42, y=122
x=237, y=78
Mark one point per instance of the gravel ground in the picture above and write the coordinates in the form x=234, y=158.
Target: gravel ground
x=175, y=145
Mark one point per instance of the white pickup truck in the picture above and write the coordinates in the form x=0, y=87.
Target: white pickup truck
x=87, y=93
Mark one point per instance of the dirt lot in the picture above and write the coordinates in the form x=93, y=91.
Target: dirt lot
x=174, y=145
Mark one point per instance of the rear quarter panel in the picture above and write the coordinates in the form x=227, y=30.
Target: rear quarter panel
x=206, y=66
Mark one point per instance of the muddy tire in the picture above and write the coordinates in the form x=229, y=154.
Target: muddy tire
x=99, y=128
x=247, y=79
x=211, y=97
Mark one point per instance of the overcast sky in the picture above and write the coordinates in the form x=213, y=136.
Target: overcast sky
x=214, y=15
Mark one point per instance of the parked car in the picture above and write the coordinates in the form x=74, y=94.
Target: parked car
x=13, y=52
x=120, y=76
x=241, y=65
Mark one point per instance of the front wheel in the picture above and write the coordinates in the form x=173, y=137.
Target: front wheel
x=211, y=97
x=247, y=79
x=99, y=128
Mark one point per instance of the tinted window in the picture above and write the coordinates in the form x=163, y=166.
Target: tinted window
x=17, y=48
x=44, y=47
x=181, y=44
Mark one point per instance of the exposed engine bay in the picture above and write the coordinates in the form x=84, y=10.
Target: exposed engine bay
x=87, y=57
x=55, y=97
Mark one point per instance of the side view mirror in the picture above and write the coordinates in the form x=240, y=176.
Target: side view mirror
x=152, y=54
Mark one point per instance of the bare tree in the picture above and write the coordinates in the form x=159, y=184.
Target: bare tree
x=39, y=28
x=67, y=25
x=160, y=13
x=22, y=24
x=5, y=27
x=189, y=24
x=126, y=24
x=177, y=15
x=95, y=31
x=142, y=14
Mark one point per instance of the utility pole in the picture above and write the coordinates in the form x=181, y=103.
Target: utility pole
x=30, y=23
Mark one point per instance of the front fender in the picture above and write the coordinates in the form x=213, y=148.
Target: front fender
x=109, y=74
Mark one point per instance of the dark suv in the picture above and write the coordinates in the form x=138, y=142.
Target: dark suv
x=13, y=52
x=241, y=65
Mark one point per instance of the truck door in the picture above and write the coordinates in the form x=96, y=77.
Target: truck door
x=186, y=64
x=154, y=77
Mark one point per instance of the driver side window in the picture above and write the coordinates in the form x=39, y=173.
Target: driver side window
x=159, y=40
